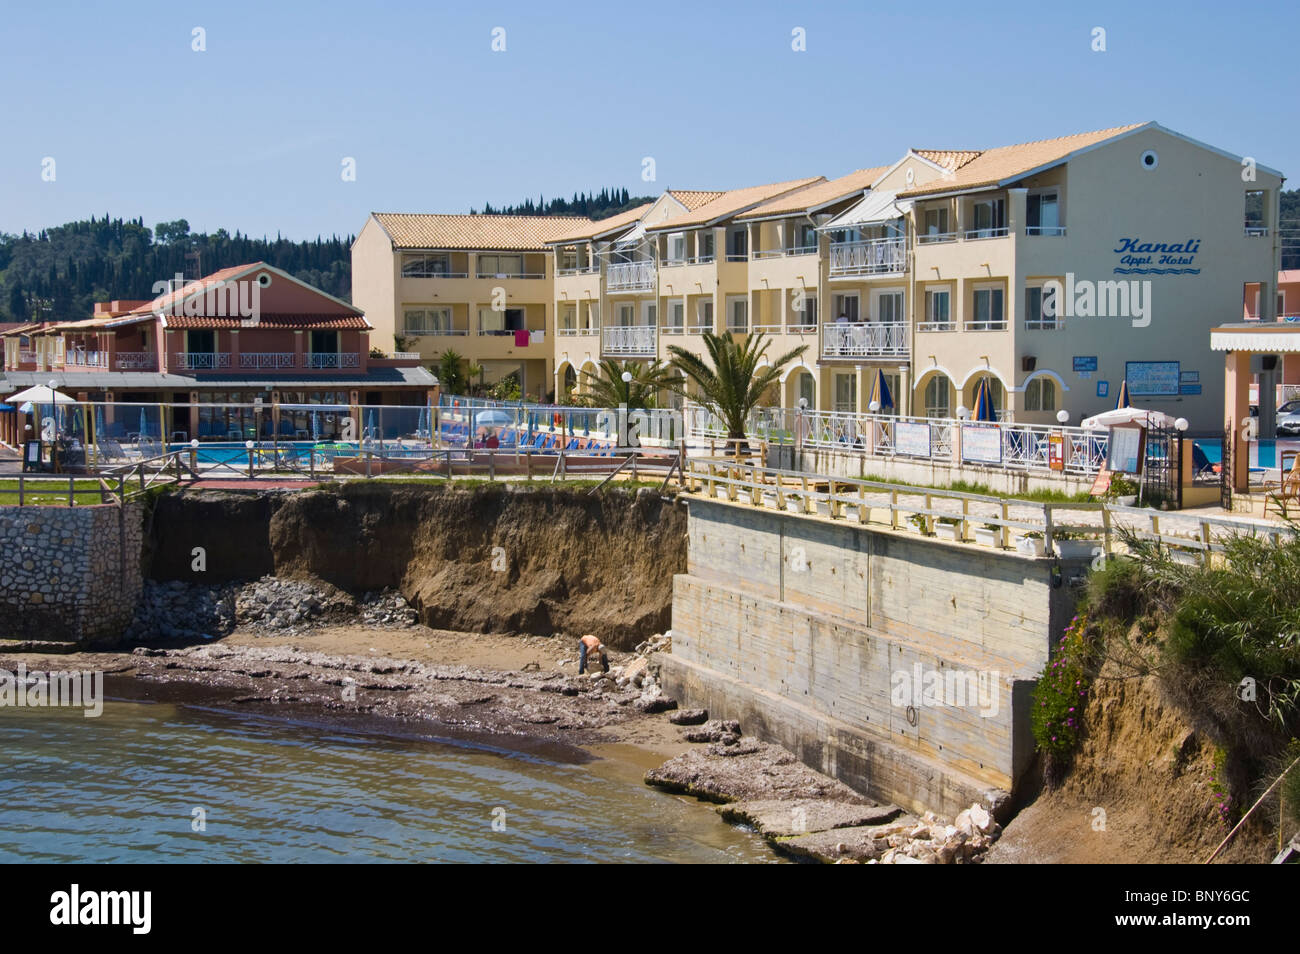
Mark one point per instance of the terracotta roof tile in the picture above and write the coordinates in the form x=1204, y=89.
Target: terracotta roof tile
x=820, y=193
x=731, y=203
x=504, y=232
x=601, y=226
x=694, y=198
x=296, y=322
x=950, y=159
x=992, y=166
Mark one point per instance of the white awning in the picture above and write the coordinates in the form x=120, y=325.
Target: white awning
x=633, y=236
x=1258, y=339
x=876, y=207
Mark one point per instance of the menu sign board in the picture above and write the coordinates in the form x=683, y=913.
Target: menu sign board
x=912, y=439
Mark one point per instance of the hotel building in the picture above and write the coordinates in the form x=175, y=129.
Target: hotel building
x=1054, y=270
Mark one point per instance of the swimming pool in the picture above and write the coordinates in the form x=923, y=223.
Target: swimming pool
x=235, y=451
x=1263, y=453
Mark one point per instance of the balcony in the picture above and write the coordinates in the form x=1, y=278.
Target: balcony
x=886, y=256
x=135, y=361
x=992, y=324
x=433, y=332
x=200, y=360
x=630, y=276
x=593, y=269
x=322, y=362
x=504, y=275
x=266, y=360
x=86, y=359
x=631, y=340
x=869, y=339
x=973, y=234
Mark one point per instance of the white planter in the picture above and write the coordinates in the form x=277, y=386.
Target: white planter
x=1031, y=546
x=947, y=531
x=1075, y=549
x=986, y=537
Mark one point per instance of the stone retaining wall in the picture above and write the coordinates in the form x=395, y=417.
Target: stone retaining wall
x=69, y=573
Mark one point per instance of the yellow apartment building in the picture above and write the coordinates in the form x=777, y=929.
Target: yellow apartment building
x=1056, y=270
x=480, y=285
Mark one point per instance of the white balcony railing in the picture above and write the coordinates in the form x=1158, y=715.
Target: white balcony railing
x=266, y=360
x=135, y=361
x=637, y=340
x=999, y=324
x=986, y=233
x=27, y=356
x=433, y=332
x=344, y=359
x=873, y=257
x=86, y=359
x=630, y=276
x=201, y=360
x=865, y=339
x=405, y=356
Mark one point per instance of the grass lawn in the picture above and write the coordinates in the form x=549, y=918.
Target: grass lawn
x=48, y=492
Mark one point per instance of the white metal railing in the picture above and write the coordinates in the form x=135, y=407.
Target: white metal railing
x=1023, y=447
x=136, y=360
x=800, y=328
x=433, y=332
x=698, y=329
x=344, y=359
x=629, y=339
x=998, y=325
x=770, y=329
x=261, y=360
x=864, y=339
x=885, y=256
x=578, y=270
x=1256, y=230
x=86, y=359
x=972, y=234
x=1094, y=526
x=1288, y=392
x=936, y=238
x=1044, y=229
x=1044, y=324
x=630, y=275
x=201, y=360
x=27, y=356
x=936, y=326
x=405, y=356
x=482, y=274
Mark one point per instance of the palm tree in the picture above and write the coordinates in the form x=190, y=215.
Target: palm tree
x=607, y=388
x=734, y=385
x=451, y=372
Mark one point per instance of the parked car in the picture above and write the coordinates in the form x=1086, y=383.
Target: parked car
x=1288, y=419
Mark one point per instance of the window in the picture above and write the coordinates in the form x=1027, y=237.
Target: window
x=936, y=225
x=1255, y=220
x=568, y=259
x=938, y=396
x=200, y=342
x=845, y=305
x=625, y=313
x=494, y=322
x=995, y=392
x=677, y=247
x=500, y=266
x=324, y=342
x=804, y=238
x=676, y=317
x=846, y=392
x=989, y=315
x=427, y=321
x=569, y=319
x=1040, y=308
x=1043, y=213
x=808, y=389
x=937, y=313
x=650, y=314
x=703, y=315
x=704, y=243
x=889, y=307
x=426, y=265
x=1040, y=395
x=737, y=245
x=989, y=217
x=1281, y=303
x=808, y=317
x=738, y=315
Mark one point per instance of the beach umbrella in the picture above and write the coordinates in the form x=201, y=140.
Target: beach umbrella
x=880, y=391
x=1127, y=415
x=99, y=422
x=493, y=418
x=144, y=425
x=1123, y=400
x=315, y=425
x=40, y=394
x=370, y=424
x=984, y=410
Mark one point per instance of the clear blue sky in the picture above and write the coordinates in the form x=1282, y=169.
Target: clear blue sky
x=251, y=133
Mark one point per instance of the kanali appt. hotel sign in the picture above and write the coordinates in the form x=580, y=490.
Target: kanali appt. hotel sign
x=1157, y=258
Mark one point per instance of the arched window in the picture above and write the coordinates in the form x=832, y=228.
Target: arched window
x=995, y=391
x=570, y=379
x=938, y=397
x=1040, y=395
x=808, y=388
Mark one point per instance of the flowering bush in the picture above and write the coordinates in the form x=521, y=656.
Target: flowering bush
x=1061, y=694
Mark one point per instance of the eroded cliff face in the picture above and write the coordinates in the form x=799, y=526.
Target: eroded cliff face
x=504, y=559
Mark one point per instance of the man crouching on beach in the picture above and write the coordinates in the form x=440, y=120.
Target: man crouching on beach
x=590, y=644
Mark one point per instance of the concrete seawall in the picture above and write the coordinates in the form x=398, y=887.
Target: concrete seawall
x=899, y=664
x=69, y=574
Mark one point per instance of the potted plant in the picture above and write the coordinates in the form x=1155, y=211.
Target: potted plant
x=1072, y=546
x=919, y=523
x=1123, y=490
x=948, y=528
x=987, y=535
x=1031, y=544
